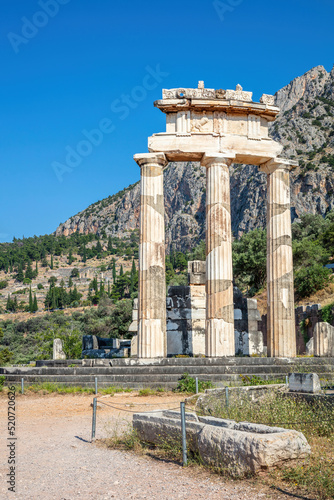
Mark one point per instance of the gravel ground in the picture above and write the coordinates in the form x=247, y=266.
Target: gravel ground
x=55, y=459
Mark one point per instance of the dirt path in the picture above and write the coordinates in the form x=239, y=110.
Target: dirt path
x=55, y=459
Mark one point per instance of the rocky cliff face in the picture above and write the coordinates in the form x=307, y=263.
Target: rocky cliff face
x=305, y=127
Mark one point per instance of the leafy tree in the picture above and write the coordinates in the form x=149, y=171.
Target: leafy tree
x=5, y=356
x=75, y=273
x=249, y=260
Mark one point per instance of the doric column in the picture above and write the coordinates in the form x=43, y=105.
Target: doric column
x=280, y=290
x=219, y=340
x=152, y=341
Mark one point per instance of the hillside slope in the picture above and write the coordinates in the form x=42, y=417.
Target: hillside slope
x=305, y=127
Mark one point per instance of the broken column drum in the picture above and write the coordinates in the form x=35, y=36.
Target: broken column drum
x=216, y=128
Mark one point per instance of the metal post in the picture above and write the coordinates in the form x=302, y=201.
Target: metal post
x=226, y=396
x=95, y=385
x=22, y=385
x=184, y=438
x=196, y=385
x=94, y=418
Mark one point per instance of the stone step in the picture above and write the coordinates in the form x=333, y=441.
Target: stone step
x=135, y=381
x=168, y=370
x=164, y=362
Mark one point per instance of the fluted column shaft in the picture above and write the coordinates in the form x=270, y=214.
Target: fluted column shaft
x=219, y=340
x=280, y=291
x=152, y=341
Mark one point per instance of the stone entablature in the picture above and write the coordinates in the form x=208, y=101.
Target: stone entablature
x=218, y=117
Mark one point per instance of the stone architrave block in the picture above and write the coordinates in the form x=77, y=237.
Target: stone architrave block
x=241, y=447
x=304, y=382
x=310, y=347
x=134, y=346
x=196, y=272
x=58, y=352
x=323, y=340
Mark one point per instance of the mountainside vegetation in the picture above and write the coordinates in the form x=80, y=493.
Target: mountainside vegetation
x=83, y=278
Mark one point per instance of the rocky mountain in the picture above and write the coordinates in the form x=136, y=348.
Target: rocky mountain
x=305, y=127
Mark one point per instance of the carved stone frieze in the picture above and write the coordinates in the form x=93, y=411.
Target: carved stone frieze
x=239, y=94
x=268, y=99
x=180, y=93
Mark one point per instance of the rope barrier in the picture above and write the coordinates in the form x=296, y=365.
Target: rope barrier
x=135, y=411
x=142, y=404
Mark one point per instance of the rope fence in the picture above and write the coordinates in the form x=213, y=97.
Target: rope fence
x=182, y=408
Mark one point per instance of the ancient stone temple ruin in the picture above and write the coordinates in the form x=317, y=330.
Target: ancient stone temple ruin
x=216, y=128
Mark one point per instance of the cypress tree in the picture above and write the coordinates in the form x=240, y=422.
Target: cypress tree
x=84, y=256
x=51, y=263
x=36, y=270
x=54, y=299
x=30, y=301
x=109, y=244
x=70, y=257
x=121, y=272
x=114, y=271
x=35, y=305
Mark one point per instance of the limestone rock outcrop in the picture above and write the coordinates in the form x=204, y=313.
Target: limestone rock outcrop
x=305, y=127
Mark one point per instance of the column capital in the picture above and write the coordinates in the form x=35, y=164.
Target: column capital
x=275, y=163
x=147, y=158
x=209, y=158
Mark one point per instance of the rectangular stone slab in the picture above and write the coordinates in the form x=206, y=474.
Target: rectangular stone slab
x=239, y=447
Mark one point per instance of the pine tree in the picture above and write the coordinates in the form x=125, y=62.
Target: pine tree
x=29, y=274
x=20, y=275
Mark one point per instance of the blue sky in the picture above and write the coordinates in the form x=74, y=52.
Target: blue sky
x=67, y=67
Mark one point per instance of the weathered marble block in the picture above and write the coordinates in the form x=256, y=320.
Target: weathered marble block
x=323, y=338
x=240, y=447
x=58, y=352
x=304, y=382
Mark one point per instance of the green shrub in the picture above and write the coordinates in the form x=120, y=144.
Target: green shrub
x=311, y=279
x=188, y=384
x=326, y=313
x=2, y=381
